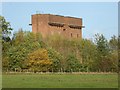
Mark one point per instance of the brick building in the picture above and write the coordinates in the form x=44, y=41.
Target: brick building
x=48, y=24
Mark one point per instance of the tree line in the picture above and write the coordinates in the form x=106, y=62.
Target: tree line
x=27, y=51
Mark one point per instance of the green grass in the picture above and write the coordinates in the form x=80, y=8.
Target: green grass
x=60, y=81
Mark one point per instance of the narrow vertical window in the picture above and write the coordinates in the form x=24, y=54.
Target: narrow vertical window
x=71, y=34
x=77, y=35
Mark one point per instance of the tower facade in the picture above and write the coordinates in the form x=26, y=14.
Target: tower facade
x=48, y=24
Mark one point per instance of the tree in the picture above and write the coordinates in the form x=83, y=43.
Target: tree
x=87, y=50
x=38, y=61
x=17, y=50
x=113, y=43
x=5, y=28
x=56, y=58
x=103, y=52
x=73, y=65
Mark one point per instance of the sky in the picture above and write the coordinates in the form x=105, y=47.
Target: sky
x=98, y=17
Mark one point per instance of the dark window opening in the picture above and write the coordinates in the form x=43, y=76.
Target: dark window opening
x=64, y=29
x=71, y=34
x=77, y=35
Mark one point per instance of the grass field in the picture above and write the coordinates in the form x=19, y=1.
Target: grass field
x=60, y=81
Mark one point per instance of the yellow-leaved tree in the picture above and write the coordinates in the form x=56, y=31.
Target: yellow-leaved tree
x=38, y=61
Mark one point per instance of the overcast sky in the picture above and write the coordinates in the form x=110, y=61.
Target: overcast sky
x=99, y=17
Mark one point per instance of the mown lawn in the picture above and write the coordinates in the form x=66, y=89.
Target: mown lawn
x=60, y=81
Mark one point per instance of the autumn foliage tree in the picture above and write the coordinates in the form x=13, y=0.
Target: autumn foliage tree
x=38, y=61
